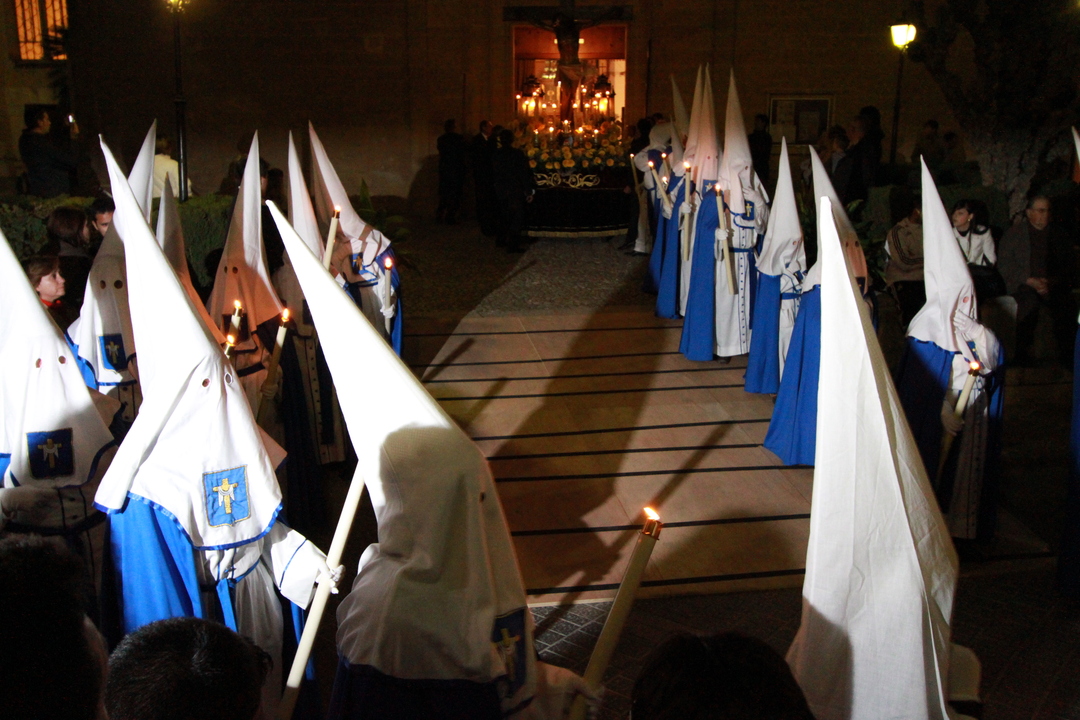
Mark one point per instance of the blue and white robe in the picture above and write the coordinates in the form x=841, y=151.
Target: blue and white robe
x=734, y=310
x=698, y=340
x=667, y=235
x=368, y=291
x=776, y=304
x=967, y=487
x=656, y=256
x=792, y=434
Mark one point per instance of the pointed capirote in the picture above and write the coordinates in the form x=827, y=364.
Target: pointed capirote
x=783, y=243
x=707, y=155
x=692, y=131
x=170, y=237
x=51, y=433
x=330, y=193
x=195, y=427
x=823, y=187
x=301, y=211
x=141, y=177
x=444, y=573
x=881, y=570
x=242, y=273
x=737, y=167
x=681, y=119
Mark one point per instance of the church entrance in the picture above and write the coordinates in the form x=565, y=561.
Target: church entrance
x=597, y=94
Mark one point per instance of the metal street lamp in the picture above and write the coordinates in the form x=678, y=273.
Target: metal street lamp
x=902, y=36
x=176, y=7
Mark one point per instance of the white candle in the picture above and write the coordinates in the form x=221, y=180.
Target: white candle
x=729, y=255
x=230, y=341
x=234, y=326
x=620, y=609
x=388, y=264
x=269, y=386
x=667, y=165
x=961, y=407
x=331, y=237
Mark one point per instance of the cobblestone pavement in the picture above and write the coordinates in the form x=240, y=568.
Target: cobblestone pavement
x=1006, y=609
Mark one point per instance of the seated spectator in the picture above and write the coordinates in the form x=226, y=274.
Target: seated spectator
x=974, y=237
x=54, y=660
x=185, y=669
x=165, y=166
x=1035, y=260
x=726, y=676
x=904, y=271
x=49, y=169
x=99, y=216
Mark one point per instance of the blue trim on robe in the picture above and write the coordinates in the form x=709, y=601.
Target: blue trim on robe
x=698, y=340
x=922, y=379
x=85, y=368
x=397, y=324
x=363, y=693
x=1068, y=575
x=667, y=235
x=792, y=432
x=763, y=364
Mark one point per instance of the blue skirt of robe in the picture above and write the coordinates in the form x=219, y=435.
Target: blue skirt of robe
x=792, y=432
x=763, y=365
x=667, y=296
x=922, y=378
x=698, y=340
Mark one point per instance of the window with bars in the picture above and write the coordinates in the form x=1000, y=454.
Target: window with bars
x=41, y=24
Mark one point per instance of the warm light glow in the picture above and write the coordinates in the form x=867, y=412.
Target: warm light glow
x=650, y=163
x=176, y=5
x=388, y=262
x=230, y=340
x=651, y=514
x=285, y=316
x=337, y=210
x=580, y=41
x=686, y=165
x=663, y=155
x=903, y=35
x=236, y=304
x=664, y=179
x=975, y=366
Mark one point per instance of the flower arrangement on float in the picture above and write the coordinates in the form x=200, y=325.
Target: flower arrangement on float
x=567, y=150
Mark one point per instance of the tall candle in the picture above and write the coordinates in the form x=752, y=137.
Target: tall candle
x=269, y=386
x=729, y=255
x=331, y=237
x=234, y=325
x=620, y=609
x=388, y=264
x=958, y=412
x=230, y=341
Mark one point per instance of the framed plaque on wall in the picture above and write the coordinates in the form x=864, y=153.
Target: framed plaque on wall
x=802, y=119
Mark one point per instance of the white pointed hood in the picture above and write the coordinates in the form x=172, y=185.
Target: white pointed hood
x=682, y=120
x=141, y=177
x=195, y=442
x=880, y=567
x=49, y=426
x=242, y=273
x=782, y=248
x=329, y=193
x=443, y=575
x=692, y=131
x=737, y=176
x=170, y=237
x=302, y=218
x=103, y=330
x=707, y=153
x=949, y=319
x=823, y=188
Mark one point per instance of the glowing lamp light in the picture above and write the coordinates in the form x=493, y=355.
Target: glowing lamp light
x=903, y=35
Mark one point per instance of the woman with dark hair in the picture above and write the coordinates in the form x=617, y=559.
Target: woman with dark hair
x=45, y=276
x=971, y=233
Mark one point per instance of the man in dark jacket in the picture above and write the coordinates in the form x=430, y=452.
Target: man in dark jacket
x=514, y=186
x=451, y=173
x=481, y=150
x=49, y=169
x=1035, y=261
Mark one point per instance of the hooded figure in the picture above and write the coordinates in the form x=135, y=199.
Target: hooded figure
x=747, y=205
x=313, y=426
x=102, y=334
x=880, y=568
x=944, y=338
x=361, y=253
x=55, y=442
x=192, y=498
x=242, y=276
x=659, y=145
x=668, y=228
x=692, y=196
x=793, y=429
x=780, y=272
x=436, y=623
x=698, y=340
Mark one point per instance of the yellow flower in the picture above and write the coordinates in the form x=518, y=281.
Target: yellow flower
x=544, y=156
x=576, y=152
x=532, y=163
x=568, y=163
x=532, y=152
x=610, y=162
x=605, y=142
x=548, y=166
x=590, y=153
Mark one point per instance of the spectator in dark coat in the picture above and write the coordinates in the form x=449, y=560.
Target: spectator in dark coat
x=514, y=187
x=761, y=147
x=49, y=169
x=487, y=206
x=452, y=152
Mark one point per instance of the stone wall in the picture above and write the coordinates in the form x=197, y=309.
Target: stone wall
x=378, y=77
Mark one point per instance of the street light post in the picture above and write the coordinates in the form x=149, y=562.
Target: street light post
x=176, y=7
x=902, y=36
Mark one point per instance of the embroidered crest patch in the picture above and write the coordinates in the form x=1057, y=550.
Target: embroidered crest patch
x=50, y=454
x=508, y=636
x=226, y=496
x=112, y=351
x=749, y=214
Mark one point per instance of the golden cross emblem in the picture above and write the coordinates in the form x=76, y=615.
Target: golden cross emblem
x=225, y=494
x=113, y=350
x=509, y=642
x=51, y=451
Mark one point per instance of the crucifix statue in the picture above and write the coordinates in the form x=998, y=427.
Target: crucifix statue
x=567, y=21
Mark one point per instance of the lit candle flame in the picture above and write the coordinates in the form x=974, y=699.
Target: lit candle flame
x=388, y=262
x=236, y=304
x=285, y=316
x=663, y=155
x=650, y=163
x=686, y=165
x=230, y=340
x=337, y=210
x=975, y=366
x=651, y=514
